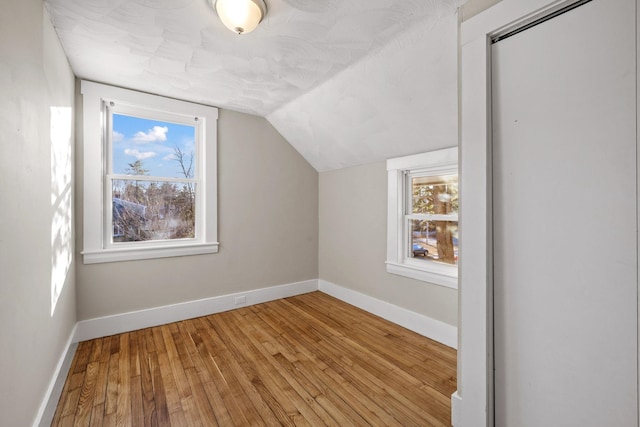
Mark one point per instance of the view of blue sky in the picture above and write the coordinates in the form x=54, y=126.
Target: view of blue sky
x=153, y=143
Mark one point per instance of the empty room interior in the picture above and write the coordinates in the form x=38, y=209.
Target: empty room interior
x=303, y=212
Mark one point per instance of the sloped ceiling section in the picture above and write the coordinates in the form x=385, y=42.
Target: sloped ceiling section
x=397, y=101
x=343, y=80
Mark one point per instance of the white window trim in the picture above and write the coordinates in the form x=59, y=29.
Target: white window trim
x=96, y=249
x=444, y=161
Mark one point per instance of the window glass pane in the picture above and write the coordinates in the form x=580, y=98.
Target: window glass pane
x=152, y=210
x=151, y=147
x=434, y=240
x=434, y=194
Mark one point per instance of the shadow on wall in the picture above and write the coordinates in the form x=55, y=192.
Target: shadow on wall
x=473, y=7
x=61, y=200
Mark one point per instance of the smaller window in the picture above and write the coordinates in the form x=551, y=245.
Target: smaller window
x=422, y=234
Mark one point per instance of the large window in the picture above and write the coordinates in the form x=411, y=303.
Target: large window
x=423, y=217
x=153, y=193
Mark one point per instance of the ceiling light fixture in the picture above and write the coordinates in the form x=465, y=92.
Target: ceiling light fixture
x=240, y=16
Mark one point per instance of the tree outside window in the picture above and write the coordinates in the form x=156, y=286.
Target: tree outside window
x=434, y=197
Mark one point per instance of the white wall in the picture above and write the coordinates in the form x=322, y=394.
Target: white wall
x=398, y=100
x=36, y=226
x=267, y=227
x=474, y=7
x=353, y=244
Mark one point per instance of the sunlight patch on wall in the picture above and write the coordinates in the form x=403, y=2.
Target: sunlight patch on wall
x=61, y=200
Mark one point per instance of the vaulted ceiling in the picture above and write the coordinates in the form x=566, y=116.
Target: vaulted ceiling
x=346, y=82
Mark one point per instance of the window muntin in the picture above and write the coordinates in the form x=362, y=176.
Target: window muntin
x=152, y=180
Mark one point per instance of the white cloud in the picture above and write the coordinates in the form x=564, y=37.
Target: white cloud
x=169, y=157
x=138, y=155
x=117, y=136
x=158, y=133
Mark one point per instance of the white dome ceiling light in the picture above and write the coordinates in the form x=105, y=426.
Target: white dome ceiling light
x=240, y=16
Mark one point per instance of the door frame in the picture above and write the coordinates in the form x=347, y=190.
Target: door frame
x=475, y=374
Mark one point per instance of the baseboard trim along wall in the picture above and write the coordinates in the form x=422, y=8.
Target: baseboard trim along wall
x=456, y=410
x=419, y=323
x=126, y=322
x=47, y=409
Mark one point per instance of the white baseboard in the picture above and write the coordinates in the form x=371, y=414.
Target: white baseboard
x=419, y=323
x=47, y=409
x=126, y=322
x=456, y=410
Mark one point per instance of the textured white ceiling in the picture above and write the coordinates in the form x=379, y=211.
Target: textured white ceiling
x=320, y=70
x=397, y=101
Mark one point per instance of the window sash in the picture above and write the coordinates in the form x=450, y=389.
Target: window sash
x=111, y=107
x=408, y=238
x=109, y=222
x=410, y=174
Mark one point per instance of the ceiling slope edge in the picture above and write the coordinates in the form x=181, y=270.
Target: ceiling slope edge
x=401, y=99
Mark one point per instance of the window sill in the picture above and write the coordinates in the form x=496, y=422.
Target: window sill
x=442, y=279
x=131, y=254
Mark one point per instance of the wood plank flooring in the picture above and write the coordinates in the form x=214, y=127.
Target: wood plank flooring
x=309, y=360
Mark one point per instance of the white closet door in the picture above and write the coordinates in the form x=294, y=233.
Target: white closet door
x=565, y=246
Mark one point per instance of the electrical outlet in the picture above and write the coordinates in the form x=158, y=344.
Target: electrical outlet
x=241, y=300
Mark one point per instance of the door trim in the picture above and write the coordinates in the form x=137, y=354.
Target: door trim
x=475, y=374
x=550, y=15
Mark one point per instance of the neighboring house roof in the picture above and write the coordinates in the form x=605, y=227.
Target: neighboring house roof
x=120, y=206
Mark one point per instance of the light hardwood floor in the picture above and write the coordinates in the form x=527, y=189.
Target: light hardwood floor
x=309, y=360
